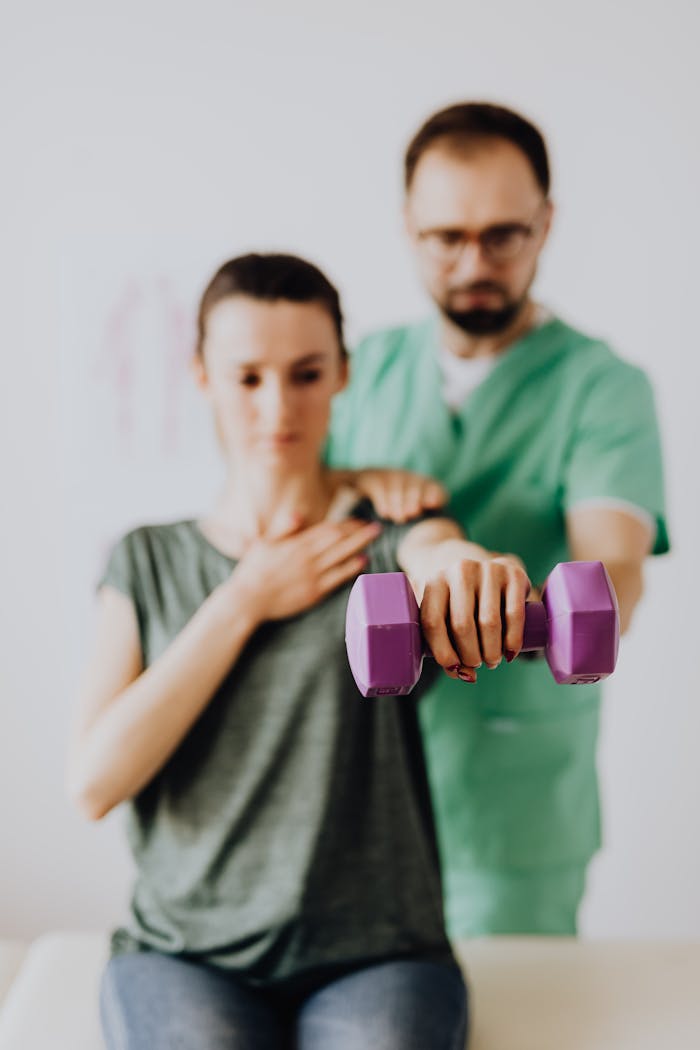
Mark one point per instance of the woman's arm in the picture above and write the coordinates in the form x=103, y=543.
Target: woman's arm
x=131, y=720
x=477, y=594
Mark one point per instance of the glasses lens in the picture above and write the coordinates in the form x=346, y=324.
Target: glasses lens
x=504, y=243
x=442, y=245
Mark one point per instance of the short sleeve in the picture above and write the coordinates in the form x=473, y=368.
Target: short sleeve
x=120, y=570
x=615, y=450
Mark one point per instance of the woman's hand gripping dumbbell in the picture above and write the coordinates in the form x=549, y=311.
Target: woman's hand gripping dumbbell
x=576, y=625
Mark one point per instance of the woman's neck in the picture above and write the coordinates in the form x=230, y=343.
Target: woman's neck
x=254, y=505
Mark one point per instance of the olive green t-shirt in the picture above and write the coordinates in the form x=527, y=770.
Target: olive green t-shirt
x=291, y=830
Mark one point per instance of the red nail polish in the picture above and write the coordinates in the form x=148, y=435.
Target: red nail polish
x=510, y=656
x=466, y=676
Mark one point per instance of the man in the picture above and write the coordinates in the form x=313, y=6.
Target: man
x=547, y=444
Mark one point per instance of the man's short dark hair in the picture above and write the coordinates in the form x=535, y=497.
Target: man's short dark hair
x=466, y=123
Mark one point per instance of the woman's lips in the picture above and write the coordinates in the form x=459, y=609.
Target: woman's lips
x=279, y=440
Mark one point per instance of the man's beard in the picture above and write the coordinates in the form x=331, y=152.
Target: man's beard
x=482, y=321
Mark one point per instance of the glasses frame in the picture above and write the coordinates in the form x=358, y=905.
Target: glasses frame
x=448, y=255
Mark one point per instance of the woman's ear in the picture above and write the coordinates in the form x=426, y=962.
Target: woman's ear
x=199, y=373
x=343, y=374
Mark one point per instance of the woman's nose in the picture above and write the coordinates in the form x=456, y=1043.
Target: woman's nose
x=275, y=402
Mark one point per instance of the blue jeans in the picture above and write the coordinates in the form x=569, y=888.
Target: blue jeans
x=151, y=1001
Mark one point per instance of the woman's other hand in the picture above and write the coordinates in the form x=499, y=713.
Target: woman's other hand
x=282, y=576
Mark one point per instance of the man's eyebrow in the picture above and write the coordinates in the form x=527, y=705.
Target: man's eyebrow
x=503, y=224
x=507, y=224
x=443, y=229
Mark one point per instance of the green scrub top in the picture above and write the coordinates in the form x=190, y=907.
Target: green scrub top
x=560, y=419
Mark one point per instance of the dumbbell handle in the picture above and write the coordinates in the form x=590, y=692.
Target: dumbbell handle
x=534, y=632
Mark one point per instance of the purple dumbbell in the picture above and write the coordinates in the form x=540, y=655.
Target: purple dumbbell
x=576, y=624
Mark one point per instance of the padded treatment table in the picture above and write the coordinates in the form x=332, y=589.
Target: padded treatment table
x=527, y=993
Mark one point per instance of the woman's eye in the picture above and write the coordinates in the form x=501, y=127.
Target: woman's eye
x=309, y=375
x=249, y=380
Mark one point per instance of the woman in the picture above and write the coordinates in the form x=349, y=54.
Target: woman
x=288, y=889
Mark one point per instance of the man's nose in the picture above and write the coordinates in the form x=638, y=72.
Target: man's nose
x=471, y=264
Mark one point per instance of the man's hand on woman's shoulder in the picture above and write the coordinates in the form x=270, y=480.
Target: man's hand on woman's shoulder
x=397, y=495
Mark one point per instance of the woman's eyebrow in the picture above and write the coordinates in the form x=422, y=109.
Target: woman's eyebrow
x=316, y=357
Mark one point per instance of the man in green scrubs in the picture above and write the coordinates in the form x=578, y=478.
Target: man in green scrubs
x=547, y=443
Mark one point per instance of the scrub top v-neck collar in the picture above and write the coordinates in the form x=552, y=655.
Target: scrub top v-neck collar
x=449, y=430
x=500, y=362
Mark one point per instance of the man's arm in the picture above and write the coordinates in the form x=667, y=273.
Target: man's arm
x=463, y=585
x=621, y=541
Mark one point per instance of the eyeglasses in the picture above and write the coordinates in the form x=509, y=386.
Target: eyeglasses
x=499, y=244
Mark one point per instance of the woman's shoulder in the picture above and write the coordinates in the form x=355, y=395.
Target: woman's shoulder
x=146, y=554
x=151, y=541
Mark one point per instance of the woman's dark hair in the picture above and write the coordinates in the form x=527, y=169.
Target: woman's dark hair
x=466, y=123
x=270, y=277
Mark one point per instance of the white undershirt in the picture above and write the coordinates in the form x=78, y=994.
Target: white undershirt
x=462, y=375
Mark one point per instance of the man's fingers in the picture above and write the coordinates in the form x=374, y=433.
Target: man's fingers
x=379, y=486
x=400, y=499
x=400, y=495
x=414, y=502
x=415, y=494
x=433, y=495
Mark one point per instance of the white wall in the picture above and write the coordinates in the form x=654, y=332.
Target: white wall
x=186, y=133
